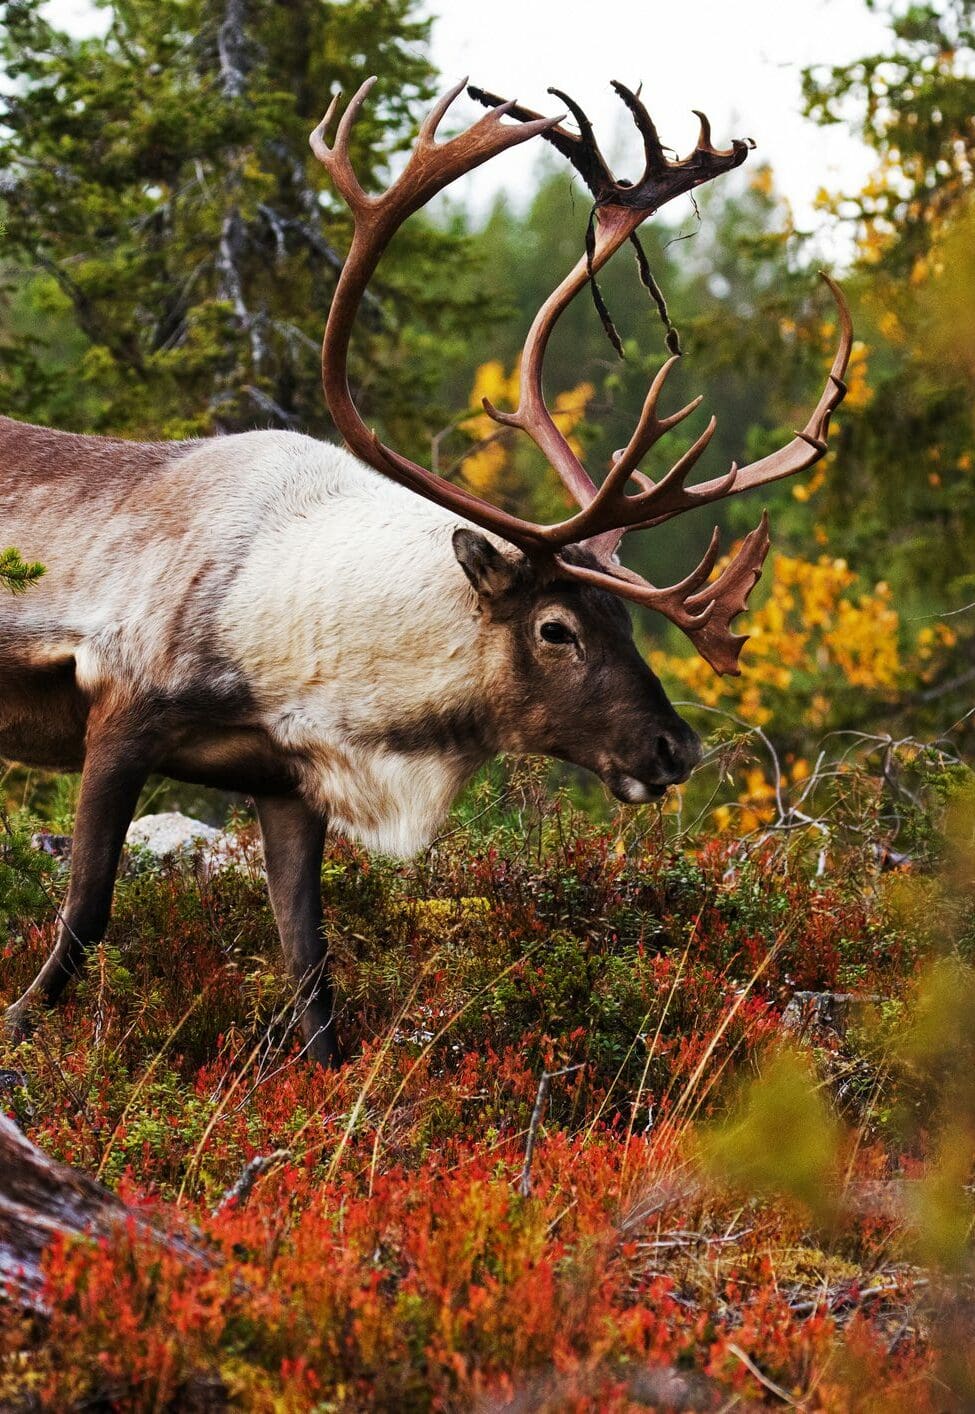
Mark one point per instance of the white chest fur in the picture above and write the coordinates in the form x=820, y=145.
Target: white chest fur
x=351, y=621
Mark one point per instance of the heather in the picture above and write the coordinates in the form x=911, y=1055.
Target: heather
x=717, y=1200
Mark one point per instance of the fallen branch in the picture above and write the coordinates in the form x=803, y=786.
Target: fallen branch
x=41, y=1199
x=850, y=1298
x=679, y=1240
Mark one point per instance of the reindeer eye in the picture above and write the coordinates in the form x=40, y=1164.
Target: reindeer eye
x=555, y=632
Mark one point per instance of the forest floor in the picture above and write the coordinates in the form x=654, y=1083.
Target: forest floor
x=584, y=1155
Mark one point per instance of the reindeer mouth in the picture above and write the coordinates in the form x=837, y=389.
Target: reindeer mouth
x=632, y=791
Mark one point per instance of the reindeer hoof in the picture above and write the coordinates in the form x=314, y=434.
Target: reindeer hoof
x=18, y=1022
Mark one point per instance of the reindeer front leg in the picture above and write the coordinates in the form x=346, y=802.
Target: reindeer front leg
x=294, y=841
x=117, y=764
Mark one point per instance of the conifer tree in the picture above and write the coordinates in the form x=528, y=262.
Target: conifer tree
x=903, y=506
x=159, y=192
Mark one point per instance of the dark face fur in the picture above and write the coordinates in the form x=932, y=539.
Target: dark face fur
x=578, y=689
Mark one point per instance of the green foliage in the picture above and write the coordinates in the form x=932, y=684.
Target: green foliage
x=781, y=1139
x=170, y=251
x=179, y=239
x=16, y=573
x=27, y=876
x=912, y=103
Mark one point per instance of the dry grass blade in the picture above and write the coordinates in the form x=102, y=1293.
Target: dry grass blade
x=764, y=1380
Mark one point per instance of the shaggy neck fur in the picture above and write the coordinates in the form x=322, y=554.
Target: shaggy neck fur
x=360, y=637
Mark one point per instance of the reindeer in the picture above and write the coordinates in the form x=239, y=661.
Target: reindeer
x=344, y=635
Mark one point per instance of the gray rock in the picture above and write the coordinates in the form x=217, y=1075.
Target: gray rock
x=172, y=836
x=171, y=833
x=57, y=846
x=169, y=836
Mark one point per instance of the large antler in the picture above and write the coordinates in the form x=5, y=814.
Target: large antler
x=703, y=610
x=431, y=167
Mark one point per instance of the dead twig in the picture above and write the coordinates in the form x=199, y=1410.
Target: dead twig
x=763, y=1379
x=674, y=1241
x=525, y=1179
x=839, y=1301
x=239, y=1192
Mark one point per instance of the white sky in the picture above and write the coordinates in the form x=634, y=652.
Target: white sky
x=739, y=61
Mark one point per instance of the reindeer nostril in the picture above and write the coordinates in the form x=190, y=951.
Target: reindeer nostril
x=678, y=753
x=667, y=754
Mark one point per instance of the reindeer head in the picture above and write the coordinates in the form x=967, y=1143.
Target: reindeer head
x=583, y=691
x=567, y=678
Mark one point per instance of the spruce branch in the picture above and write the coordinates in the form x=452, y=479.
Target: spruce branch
x=16, y=573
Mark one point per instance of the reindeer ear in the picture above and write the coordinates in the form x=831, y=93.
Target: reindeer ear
x=490, y=573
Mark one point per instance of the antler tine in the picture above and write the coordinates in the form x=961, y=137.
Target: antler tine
x=713, y=591
x=502, y=110
x=569, y=144
x=317, y=139
x=686, y=589
x=674, y=600
x=702, y=611
x=430, y=124
x=586, y=134
x=728, y=594
x=335, y=158
x=688, y=500
x=348, y=119
x=806, y=448
x=602, y=524
x=704, y=145
x=656, y=159
x=582, y=150
x=506, y=419
x=650, y=427
x=704, y=135
x=681, y=469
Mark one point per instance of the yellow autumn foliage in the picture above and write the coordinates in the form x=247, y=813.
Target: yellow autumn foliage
x=756, y=803
x=488, y=464
x=859, y=394
x=762, y=180
x=483, y=468
x=817, y=632
x=818, y=637
x=891, y=327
